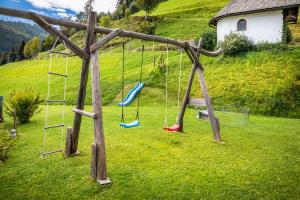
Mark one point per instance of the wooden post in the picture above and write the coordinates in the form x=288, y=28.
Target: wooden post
x=98, y=122
x=68, y=143
x=188, y=91
x=211, y=116
x=1, y=109
x=94, y=161
x=90, y=38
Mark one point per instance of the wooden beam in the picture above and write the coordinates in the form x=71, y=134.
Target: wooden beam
x=90, y=39
x=85, y=113
x=80, y=26
x=105, y=40
x=47, y=27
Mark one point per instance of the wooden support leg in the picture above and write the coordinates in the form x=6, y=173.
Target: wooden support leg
x=211, y=116
x=90, y=38
x=188, y=91
x=100, y=160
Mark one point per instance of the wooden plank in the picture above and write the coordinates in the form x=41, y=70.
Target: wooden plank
x=85, y=113
x=47, y=27
x=197, y=102
x=188, y=90
x=61, y=53
x=195, y=57
x=98, y=122
x=68, y=143
x=105, y=40
x=55, y=126
x=81, y=26
x=57, y=74
x=90, y=39
x=51, y=152
x=55, y=101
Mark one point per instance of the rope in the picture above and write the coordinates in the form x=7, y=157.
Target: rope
x=123, y=78
x=179, y=82
x=166, y=97
x=48, y=95
x=141, y=73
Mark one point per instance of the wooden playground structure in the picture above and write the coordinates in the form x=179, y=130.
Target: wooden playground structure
x=89, y=56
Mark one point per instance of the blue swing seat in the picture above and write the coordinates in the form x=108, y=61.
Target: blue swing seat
x=130, y=125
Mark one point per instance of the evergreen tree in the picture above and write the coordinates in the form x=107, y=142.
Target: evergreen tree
x=148, y=5
x=12, y=55
x=21, y=51
x=4, y=58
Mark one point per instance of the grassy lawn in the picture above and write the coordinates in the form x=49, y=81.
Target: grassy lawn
x=260, y=160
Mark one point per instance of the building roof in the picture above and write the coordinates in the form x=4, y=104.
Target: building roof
x=238, y=7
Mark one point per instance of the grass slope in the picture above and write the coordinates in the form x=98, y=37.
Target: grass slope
x=266, y=82
x=259, y=161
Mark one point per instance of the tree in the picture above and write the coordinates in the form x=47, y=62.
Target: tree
x=21, y=51
x=105, y=21
x=4, y=58
x=148, y=5
x=32, y=48
x=47, y=43
x=12, y=55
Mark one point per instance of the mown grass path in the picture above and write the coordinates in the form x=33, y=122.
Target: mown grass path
x=260, y=160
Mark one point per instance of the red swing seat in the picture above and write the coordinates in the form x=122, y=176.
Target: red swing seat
x=175, y=128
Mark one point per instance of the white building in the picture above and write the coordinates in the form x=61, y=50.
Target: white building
x=260, y=20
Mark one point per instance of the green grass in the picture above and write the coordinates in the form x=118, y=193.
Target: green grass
x=260, y=160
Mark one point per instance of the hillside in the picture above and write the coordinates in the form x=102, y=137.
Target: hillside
x=12, y=33
x=266, y=82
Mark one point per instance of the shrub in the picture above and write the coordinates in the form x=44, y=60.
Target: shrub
x=236, y=44
x=105, y=21
x=287, y=36
x=25, y=103
x=147, y=27
x=209, y=40
x=6, y=143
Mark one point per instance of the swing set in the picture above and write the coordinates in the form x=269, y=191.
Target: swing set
x=90, y=57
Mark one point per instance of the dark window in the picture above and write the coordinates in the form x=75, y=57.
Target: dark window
x=242, y=25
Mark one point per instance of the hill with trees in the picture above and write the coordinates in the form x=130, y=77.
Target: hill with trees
x=13, y=33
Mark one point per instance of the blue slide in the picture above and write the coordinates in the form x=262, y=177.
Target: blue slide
x=132, y=94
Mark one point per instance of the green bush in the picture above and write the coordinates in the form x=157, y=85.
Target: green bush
x=6, y=143
x=209, y=40
x=147, y=27
x=24, y=103
x=236, y=44
x=287, y=36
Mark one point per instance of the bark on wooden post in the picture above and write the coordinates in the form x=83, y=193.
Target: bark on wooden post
x=98, y=122
x=68, y=142
x=94, y=161
x=90, y=37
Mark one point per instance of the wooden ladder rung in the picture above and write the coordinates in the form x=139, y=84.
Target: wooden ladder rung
x=85, y=113
x=56, y=52
x=57, y=74
x=55, y=126
x=52, y=152
x=51, y=101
